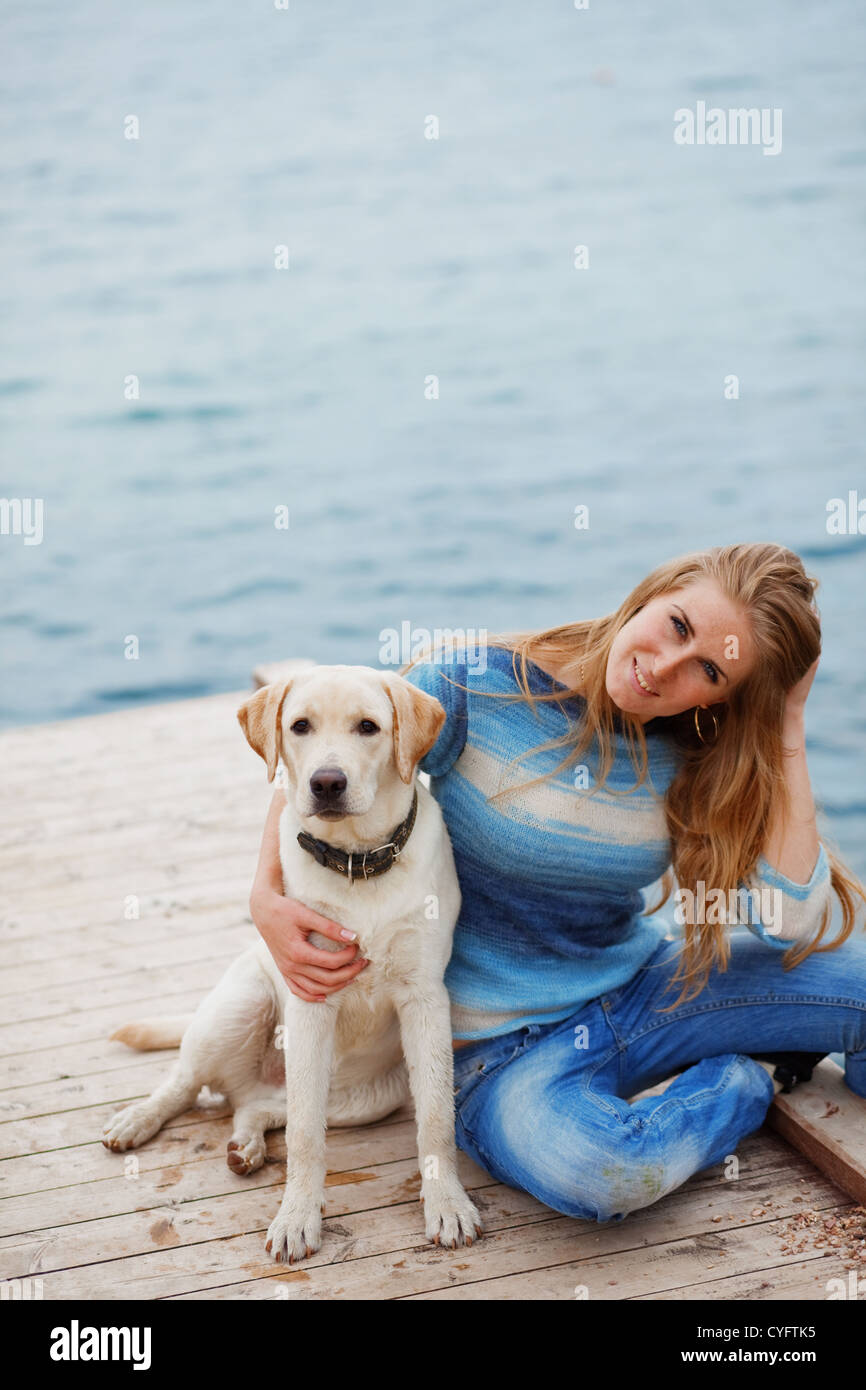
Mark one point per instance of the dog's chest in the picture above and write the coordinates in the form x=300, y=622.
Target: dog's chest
x=366, y=1011
x=366, y=1008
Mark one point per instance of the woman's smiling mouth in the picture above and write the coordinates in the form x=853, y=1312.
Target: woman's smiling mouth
x=639, y=679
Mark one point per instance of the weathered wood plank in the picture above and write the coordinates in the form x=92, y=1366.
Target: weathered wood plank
x=191, y=1138
x=672, y=1269
x=138, y=812
x=212, y=1216
x=58, y=1061
x=360, y=1234
x=234, y=1251
x=39, y=1008
x=171, y=725
x=685, y=1213
x=198, y=781
x=161, y=909
x=105, y=1189
x=177, y=859
x=796, y=1282
x=551, y=1259
x=60, y=1130
x=153, y=997
x=136, y=948
x=147, y=878
x=826, y=1121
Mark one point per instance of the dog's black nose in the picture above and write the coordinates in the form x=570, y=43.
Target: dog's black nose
x=328, y=783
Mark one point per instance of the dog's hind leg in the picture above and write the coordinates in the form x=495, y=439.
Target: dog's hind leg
x=139, y=1121
x=222, y=1047
x=246, y=1148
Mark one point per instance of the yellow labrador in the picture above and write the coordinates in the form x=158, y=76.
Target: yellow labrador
x=363, y=843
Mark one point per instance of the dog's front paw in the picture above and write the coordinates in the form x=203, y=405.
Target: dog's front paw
x=296, y=1231
x=131, y=1127
x=450, y=1217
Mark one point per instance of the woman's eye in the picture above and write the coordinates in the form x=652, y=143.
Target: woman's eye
x=709, y=669
x=367, y=726
x=300, y=726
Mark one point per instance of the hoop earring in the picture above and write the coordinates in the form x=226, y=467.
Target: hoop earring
x=698, y=726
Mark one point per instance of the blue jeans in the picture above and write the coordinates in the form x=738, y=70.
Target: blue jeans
x=544, y=1108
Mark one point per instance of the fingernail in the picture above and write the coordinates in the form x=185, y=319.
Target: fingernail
x=347, y=935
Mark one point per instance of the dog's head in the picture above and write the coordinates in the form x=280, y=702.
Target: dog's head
x=343, y=733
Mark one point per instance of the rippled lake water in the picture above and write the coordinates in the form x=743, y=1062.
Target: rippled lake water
x=411, y=258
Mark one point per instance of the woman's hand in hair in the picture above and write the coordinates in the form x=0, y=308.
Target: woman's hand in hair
x=792, y=843
x=795, y=701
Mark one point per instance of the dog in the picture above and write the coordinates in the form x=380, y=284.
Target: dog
x=364, y=843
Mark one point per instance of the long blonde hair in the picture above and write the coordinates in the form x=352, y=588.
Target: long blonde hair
x=728, y=790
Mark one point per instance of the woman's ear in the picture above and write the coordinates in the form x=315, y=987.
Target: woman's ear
x=259, y=717
x=418, y=719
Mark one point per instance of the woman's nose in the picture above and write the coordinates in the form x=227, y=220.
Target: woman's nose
x=665, y=665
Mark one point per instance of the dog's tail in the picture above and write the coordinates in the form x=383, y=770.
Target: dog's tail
x=151, y=1034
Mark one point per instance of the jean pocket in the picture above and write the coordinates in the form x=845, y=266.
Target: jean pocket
x=487, y=1055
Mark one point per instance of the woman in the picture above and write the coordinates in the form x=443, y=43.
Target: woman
x=672, y=743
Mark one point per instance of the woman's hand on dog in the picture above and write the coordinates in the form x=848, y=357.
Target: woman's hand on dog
x=285, y=924
x=310, y=972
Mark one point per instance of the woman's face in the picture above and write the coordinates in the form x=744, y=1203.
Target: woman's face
x=689, y=647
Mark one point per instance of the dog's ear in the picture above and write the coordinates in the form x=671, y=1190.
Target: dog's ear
x=418, y=719
x=259, y=717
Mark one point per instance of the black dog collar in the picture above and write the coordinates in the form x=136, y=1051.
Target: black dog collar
x=368, y=862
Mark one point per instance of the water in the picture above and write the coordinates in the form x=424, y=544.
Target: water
x=410, y=257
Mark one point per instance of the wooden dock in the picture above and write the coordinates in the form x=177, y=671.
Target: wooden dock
x=129, y=845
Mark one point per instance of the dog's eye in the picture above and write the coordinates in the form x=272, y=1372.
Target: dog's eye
x=300, y=726
x=367, y=726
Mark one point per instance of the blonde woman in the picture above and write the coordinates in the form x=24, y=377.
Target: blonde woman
x=576, y=767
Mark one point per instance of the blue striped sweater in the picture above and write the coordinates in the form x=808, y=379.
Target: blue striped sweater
x=551, y=878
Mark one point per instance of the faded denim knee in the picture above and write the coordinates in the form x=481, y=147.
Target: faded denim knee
x=596, y=1166
x=607, y=1181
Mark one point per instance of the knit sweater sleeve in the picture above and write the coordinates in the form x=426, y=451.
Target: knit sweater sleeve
x=443, y=679
x=783, y=911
